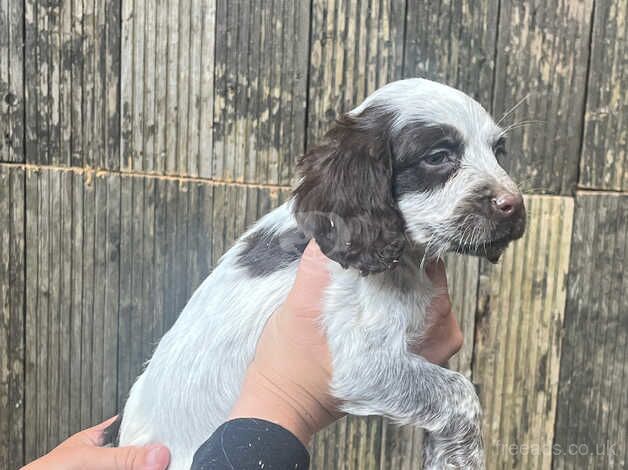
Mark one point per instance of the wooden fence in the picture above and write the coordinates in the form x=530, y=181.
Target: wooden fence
x=138, y=138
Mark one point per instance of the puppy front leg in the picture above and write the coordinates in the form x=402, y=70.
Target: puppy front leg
x=411, y=390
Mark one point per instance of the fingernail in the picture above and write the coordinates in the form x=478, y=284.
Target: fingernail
x=156, y=458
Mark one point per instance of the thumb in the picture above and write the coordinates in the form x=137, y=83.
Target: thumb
x=154, y=457
x=312, y=278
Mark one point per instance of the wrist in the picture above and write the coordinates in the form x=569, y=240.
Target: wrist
x=269, y=396
x=261, y=397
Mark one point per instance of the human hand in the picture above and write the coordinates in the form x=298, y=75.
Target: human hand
x=83, y=451
x=443, y=337
x=288, y=380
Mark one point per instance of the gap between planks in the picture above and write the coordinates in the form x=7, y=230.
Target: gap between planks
x=600, y=192
x=91, y=172
x=222, y=182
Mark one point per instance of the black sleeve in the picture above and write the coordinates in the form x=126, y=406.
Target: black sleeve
x=249, y=443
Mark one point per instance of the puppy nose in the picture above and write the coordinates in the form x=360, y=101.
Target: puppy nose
x=507, y=205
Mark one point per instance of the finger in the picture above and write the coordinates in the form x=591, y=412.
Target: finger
x=436, y=272
x=154, y=457
x=312, y=274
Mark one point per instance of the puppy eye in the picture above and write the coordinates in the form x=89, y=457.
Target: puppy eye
x=437, y=158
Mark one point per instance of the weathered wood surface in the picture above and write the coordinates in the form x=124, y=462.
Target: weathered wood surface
x=517, y=345
x=453, y=42
x=73, y=256
x=592, y=407
x=72, y=65
x=112, y=261
x=357, y=46
x=260, y=89
x=11, y=317
x=11, y=81
x=604, y=159
x=542, y=54
x=463, y=277
x=167, y=80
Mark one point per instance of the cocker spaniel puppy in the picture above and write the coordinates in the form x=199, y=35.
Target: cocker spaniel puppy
x=406, y=176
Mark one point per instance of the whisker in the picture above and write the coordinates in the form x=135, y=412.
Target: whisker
x=519, y=124
x=511, y=110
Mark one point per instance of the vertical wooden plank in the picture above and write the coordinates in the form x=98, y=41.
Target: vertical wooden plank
x=542, y=54
x=148, y=268
x=218, y=223
x=592, y=413
x=180, y=248
x=66, y=64
x=35, y=66
x=75, y=294
x=183, y=84
x=161, y=247
x=135, y=236
x=126, y=313
x=167, y=86
x=604, y=159
x=172, y=13
x=157, y=160
x=88, y=295
x=30, y=365
x=90, y=110
x=65, y=304
x=72, y=102
x=193, y=223
x=517, y=339
x=43, y=313
x=260, y=89
x=52, y=358
x=170, y=208
x=11, y=81
x=206, y=97
x=147, y=83
x=128, y=146
x=77, y=256
x=76, y=74
x=99, y=306
x=206, y=261
x=110, y=29
x=111, y=289
x=193, y=95
x=12, y=291
x=453, y=43
x=463, y=277
x=356, y=48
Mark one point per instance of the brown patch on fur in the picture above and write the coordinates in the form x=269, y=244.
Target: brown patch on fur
x=345, y=198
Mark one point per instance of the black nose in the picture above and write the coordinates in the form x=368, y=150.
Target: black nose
x=506, y=206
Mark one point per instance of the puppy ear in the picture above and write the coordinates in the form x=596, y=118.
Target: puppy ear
x=344, y=198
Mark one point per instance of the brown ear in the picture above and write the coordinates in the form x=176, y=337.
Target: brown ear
x=345, y=200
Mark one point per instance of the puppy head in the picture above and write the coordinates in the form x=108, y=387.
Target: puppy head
x=414, y=163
